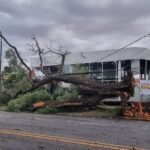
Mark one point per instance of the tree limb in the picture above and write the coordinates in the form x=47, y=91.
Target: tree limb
x=39, y=51
x=17, y=53
x=99, y=87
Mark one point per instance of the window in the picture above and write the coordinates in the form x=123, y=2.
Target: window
x=125, y=67
x=109, y=71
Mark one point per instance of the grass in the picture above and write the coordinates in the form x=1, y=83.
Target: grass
x=101, y=111
x=3, y=107
x=108, y=111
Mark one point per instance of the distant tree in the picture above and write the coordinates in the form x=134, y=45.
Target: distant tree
x=36, y=49
x=15, y=75
x=11, y=57
x=79, y=69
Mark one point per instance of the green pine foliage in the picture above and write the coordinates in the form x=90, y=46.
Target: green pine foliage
x=15, y=76
x=16, y=81
x=23, y=102
x=62, y=93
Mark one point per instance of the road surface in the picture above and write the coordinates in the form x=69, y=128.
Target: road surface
x=25, y=131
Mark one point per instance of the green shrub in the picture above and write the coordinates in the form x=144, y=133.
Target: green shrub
x=46, y=110
x=24, y=101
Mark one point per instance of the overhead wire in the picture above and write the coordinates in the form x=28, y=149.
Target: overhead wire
x=118, y=50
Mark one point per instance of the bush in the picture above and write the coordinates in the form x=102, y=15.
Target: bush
x=23, y=102
x=46, y=110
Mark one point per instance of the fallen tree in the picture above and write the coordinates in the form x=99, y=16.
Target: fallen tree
x=124, y=89
x=94, y=91
x=86, y=84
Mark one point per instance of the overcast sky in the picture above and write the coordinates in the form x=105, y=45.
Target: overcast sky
x=80, y=25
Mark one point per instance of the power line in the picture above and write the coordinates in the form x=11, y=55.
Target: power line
x=147, y=35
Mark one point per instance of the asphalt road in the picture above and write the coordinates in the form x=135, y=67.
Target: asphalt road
x=25, y=131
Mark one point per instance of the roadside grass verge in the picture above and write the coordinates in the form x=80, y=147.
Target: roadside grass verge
x=102, y=111
x=3, y=107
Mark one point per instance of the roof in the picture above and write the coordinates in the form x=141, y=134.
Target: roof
x=131, y=53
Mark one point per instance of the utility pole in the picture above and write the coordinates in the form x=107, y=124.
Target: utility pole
x=1, y=46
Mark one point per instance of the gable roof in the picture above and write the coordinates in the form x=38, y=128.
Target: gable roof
x=96, y=56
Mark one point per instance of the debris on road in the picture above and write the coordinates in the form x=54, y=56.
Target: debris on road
x=137, y=111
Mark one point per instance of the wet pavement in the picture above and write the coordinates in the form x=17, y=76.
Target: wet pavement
x=113, y=131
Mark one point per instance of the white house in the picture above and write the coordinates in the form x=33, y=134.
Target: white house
x=104, y=66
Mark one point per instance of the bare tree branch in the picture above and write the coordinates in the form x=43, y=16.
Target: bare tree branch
x=39, y=51
x=17, y=53
x=61, y=53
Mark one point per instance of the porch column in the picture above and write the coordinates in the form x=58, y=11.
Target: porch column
x=146, y=74
x=116, y=70
x=102, y=73
x=119, y=71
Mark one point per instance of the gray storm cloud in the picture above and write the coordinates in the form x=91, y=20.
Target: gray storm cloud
x=78, y=24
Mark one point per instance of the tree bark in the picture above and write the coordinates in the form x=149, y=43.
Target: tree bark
x=100, y=88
